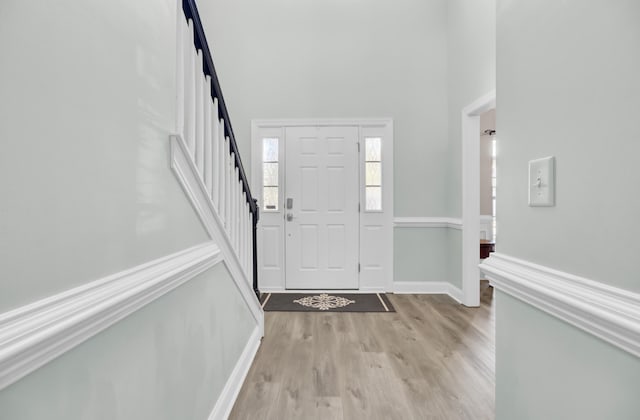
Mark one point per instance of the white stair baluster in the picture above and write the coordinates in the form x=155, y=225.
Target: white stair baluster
x=208, y=141
x=234, y=206
x=222, y=173
x=247, y=253
x=190, y=92
x=243, y=239
x=246, y=236
x=228, y=185
x=215, y=152
x=199, y=152
x=251, y=248
x=238, y=211
x=182, y=29
x=232, y=229
x=231, y=185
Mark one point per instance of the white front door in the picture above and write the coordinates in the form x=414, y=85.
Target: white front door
x=321, y=208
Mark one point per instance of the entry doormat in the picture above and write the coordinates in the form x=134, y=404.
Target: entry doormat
x=326, y=302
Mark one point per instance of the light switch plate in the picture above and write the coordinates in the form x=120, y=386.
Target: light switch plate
x=542, y=182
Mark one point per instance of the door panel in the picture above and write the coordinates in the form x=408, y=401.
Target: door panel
x=321, y=237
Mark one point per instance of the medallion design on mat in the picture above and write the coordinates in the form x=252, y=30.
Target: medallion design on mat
x=324, y=301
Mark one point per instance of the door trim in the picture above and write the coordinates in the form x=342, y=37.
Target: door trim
x=322, y=122
x=370, y=280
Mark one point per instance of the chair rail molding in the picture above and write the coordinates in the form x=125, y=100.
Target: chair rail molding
x=607, y=312
x=187, y=174
x=35, y=334
x=427, y=222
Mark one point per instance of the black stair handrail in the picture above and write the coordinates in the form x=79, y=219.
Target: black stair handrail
x=200, y=42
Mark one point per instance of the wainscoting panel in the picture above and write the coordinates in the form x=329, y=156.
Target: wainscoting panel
x=607, y=312
x=32, y=335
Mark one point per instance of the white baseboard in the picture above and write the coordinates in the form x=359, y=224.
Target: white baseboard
x=354, y=291
x=35, y=334
x=374, y=289
x=455, y=293
x=607, y=312
x=428, y=288
x=231, y=389
x=272, y=290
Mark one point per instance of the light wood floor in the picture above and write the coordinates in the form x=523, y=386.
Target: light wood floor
x=433, y=359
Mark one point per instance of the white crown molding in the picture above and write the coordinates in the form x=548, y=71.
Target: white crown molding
x=607, y=312
x=232, y=387
x=34, y=334
x=427, y=288
x=188, y=177
x=427, y=222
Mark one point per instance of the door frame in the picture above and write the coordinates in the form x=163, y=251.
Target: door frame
x=372, y=278
x=471, y=196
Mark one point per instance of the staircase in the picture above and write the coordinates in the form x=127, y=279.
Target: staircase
x=206, y=135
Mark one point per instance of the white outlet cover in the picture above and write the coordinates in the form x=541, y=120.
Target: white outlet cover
x=542, y=182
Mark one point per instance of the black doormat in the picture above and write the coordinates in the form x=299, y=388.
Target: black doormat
x=326, y=302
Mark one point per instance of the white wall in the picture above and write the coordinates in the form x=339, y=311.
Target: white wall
x=88, y=103
x=471, y=37
x=578, y=74
x=568, y=86
x=471, y=62
x=310, y=59
x=170, y=360
x=337, y=59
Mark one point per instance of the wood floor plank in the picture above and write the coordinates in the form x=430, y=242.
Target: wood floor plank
x=433, y=359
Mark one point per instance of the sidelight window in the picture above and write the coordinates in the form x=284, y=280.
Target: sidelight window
x=373, y=174
x=270, y=177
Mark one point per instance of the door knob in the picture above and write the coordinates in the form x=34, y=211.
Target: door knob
x=289, y=217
